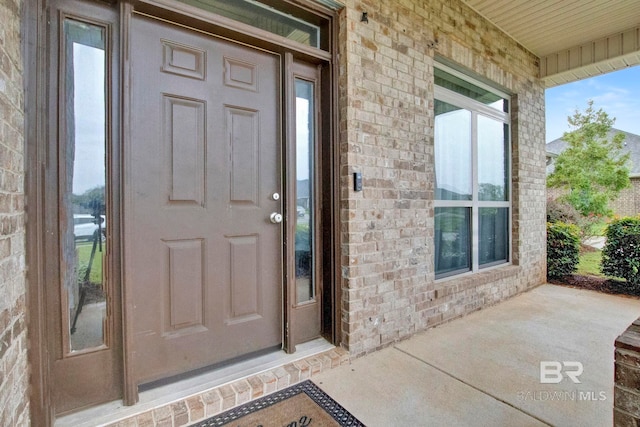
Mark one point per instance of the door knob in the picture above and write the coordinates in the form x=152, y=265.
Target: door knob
x=276, y=218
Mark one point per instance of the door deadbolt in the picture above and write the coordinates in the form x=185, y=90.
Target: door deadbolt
x=275, y=196
x=276, y=218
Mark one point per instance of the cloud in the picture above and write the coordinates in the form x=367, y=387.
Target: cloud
x=617, y=93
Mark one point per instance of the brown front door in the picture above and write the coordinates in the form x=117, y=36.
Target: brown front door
x=203, y=252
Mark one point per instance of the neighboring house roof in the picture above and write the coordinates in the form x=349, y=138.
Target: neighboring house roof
x=631, y=146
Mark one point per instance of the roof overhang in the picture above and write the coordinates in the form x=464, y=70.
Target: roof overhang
x=574, y=39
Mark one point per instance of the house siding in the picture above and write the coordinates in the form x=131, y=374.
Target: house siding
x=386, y=133
x=14, y=372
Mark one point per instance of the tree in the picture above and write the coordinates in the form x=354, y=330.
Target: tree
x=593, y=168
x=91, y=200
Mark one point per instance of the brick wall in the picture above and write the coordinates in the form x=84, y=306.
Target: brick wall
x=386, y=131
x=628, y=203
x=626, y=405
x=14, y=403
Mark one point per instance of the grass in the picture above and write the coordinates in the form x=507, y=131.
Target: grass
x=589, y=264
x=84, y=253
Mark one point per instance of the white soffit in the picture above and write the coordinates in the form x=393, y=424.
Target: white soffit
x=574, y=39
x=332, y=4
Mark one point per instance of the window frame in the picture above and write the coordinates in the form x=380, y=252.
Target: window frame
x=217, y=25
x=66, y=225
x=263, y=9
x=477, y=109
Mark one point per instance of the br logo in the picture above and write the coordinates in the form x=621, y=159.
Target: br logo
x=552, y=372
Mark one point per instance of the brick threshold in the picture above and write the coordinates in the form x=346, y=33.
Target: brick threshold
x=189, y=401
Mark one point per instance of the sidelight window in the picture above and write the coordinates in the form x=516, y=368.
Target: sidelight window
x=83, y=185
x=472, y=151
x=305, y=218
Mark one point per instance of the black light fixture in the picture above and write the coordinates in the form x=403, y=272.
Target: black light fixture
x=364, y=17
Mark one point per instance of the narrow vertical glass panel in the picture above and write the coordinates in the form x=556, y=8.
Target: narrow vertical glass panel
x=263, y=17
x=493, y=235
x=452, y=241
x=83, y=184
x=453, y=152
x=305, y=221
x=492, y=160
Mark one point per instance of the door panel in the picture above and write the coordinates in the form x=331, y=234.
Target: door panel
x=203, y=261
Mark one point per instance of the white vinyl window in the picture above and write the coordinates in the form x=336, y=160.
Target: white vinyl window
x=472, y=165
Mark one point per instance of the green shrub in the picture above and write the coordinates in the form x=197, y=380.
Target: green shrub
x=621, y=253
x=563, y=249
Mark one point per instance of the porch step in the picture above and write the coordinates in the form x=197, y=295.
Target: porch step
x=189, y=401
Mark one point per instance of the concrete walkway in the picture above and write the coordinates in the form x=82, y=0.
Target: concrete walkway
x=597, y=242
x=484, y=369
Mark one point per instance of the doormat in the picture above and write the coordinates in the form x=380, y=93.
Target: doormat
x=301, y=405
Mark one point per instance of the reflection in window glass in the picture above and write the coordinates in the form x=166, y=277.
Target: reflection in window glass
x=493, y=241
x=492, y=159
x=264, y=17
x=84, y=179
x=472, y=151
x=452, y=240
x=463, y=87
x=453, y=152
x=305, y=130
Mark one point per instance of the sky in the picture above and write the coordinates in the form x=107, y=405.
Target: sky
x=617, y=93
x=89, y=118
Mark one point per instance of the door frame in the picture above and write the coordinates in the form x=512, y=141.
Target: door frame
x=37, y=186
x=42, y=53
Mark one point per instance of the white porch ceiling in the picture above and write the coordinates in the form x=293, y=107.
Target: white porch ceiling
x=574, y=39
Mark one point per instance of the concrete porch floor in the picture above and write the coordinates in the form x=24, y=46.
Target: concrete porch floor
x=484, y=369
